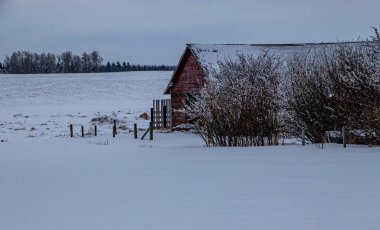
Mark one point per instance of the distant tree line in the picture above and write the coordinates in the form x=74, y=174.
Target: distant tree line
x=117, y=67
x=25, y=62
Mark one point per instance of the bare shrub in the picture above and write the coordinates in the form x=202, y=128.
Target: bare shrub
x=334, y=87
x=239, y=105
x=101, y=120
x=355, y=74
x=308, y=93
x=144, y=116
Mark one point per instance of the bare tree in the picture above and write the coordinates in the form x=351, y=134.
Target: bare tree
x=86, y=62
x=66, y=59
x=96, y=61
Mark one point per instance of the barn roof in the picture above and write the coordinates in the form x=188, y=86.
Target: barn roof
x=209, y=55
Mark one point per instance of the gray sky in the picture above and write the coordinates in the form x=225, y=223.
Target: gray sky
x=155, y=32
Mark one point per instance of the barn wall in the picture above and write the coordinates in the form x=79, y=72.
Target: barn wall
x=189, y=79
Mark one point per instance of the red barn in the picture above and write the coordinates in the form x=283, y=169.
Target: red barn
x=188, y=77
x=198, y=61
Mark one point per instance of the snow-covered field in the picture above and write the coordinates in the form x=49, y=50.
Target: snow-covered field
x=44, y=105
x=51, y=181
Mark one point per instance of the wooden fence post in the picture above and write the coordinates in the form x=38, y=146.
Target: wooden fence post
x=151, y=131
x=164, y=111
x=152, y=115
x=71, y=131
x=114, y=128
x=135, y=130
x=96, y=131
x=82, y=129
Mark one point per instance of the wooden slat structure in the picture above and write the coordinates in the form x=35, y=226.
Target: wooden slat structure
x=159, y=116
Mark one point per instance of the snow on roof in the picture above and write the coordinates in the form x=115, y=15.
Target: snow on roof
x=208, y=55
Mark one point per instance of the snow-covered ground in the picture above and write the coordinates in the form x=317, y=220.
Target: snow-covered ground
x=44, y=105
x=51, y=181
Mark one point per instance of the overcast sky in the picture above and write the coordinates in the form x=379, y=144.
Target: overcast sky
x=155, y=32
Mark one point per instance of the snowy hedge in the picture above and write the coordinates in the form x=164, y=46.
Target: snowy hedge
x=250, y=101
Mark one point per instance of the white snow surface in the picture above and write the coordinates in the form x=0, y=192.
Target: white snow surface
x=51, y=181
x=44, y=105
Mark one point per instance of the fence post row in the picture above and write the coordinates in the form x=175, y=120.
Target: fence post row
x=160, y=117
x=82, y=134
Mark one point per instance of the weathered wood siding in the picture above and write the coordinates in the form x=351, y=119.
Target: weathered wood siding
x=189, y=79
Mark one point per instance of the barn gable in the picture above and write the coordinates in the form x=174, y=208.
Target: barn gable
x=187, y=78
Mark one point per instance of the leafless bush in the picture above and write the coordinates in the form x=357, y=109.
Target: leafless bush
x=144, y=116
x=334, y=87
x=101, y=120
x=308, y=93
x=239, y=106
x=355, y=73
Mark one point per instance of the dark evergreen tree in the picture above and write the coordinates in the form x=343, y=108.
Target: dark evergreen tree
x=108, y=67
x=2, y=69
x=128, y=66
x=118, y=66
x=113, y=67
